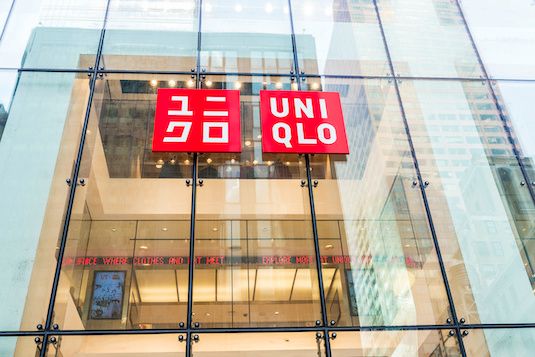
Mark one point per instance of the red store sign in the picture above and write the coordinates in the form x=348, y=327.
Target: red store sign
x=302, y=122
x=192, y=120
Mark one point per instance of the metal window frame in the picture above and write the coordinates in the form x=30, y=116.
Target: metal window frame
x=324, y=329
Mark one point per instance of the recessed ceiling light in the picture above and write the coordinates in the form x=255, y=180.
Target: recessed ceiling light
x=153, y=82
x=287, y=163
x=208, y=83
x=164, y=229
x=143, y=247
x=237, y=85
x=247, y=143
x=172, y=83
x=276, y=312
x=329, y=246
x=215, y=229
x=209, y=160
x=255, y=162
x=114, y=229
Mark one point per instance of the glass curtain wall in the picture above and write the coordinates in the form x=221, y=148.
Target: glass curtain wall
x=420, y=242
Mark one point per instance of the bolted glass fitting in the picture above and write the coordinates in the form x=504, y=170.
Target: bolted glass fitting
x=465, y=333
x=37, y=340
x=196, y=325
x=448, y=320
x=333, y=335
x=201, y=182
x=196, y=338
x=319, y=336
x=318, y=322
x=39, y=327
x=55, y=327
x=462, y=320
x=53, y=340
x=188, y=182
x=414, y=183
x=82, y=182
x=426, y=183
x=332, y=322
x=315, y=183
x=180, y=338
x=522, y=183
x=451, y=333
x=68, y=181
x=303, y=184
x=181, y=324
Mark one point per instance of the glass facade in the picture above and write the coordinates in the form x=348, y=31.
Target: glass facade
x=420, y=242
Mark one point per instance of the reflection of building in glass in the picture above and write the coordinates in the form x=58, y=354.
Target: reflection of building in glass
x=118, y=249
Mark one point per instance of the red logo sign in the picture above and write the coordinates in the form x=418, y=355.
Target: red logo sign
x=302, y=122
x=193, y=120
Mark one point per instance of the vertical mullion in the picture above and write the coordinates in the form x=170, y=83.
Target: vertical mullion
x=191, y=261
x=505, y=125
x=196, y=74
x=72, y=191
x=318, y=259
x=7, y=20
x=317, y=252
x=456, y=325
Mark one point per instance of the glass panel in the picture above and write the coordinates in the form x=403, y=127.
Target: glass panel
x=125, y=263
x=151, y=35
x=254, y=251
x=117, y=345
x=424, y=343
x=52, y=34
x=285, y=344
x=427, y=38
x=246, y=36
x=516, y=99
x=19, y=346
x=483, y=216
x=504, y=33
x=500, y=342
x=379, y=263
x=37, y=149
x=339, y=37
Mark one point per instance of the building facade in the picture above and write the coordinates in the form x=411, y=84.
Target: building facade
x=420, y=242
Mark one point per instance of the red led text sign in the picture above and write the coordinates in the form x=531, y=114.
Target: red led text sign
x=363, y=261
x=194, y=120
x=302, y=122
